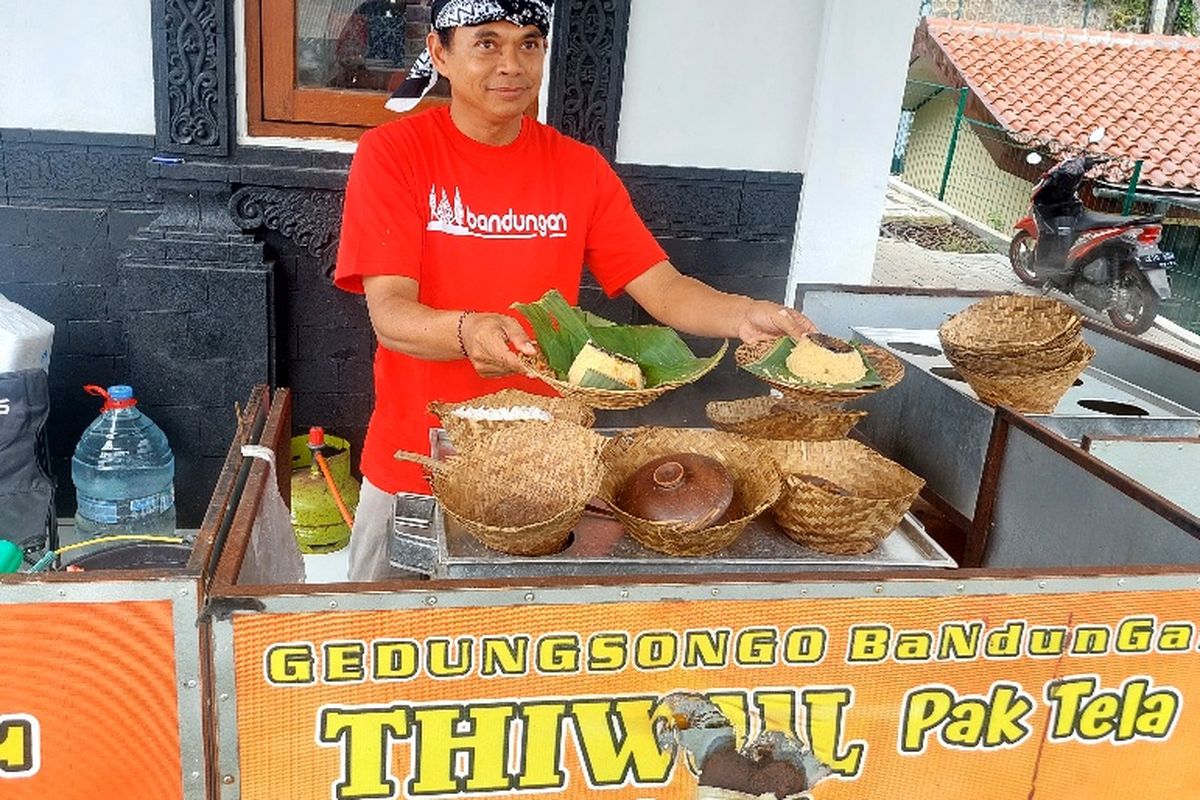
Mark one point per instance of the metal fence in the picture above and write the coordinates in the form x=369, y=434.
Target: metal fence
x=1130, y=16
x=980, y=170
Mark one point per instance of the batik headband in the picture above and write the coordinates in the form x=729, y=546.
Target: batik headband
x=445, y=14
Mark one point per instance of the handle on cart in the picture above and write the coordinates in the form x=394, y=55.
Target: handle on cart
x=433, y=465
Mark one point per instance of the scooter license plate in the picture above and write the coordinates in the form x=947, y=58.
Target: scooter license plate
x=1160, y=259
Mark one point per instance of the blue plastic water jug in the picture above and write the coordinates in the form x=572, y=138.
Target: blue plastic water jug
x=124, y=471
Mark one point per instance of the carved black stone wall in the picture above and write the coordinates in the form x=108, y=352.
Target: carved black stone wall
x=714, y=204
x=310, y=218
x=324, y=348
x=196, y=294
x=68, y=204
x=588, y=70
x=193, y=76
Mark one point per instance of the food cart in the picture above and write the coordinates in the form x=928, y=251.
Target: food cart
x=1045, y=647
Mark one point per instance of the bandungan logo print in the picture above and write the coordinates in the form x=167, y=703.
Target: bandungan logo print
x=454, y=218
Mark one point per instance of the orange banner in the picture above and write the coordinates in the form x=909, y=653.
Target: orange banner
x=989, y=698
x=88, y=703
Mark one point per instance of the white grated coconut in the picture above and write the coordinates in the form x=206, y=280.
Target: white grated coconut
x=507, y=413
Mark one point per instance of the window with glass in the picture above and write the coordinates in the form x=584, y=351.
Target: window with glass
x=326, y=67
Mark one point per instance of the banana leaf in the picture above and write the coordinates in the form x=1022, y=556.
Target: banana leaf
x=591, y=379
x=773, y=367
x=562, y=330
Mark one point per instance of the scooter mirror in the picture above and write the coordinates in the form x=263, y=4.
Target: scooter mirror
x=1097, y=135
x=1034, y=157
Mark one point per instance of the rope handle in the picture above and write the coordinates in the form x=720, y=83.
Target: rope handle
x=433, y=465
x=532, y=364
x=109, y=403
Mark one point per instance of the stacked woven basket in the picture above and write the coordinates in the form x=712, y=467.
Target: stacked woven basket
x=841, y=496
x=519, y=488
x=1017, y=350
x=471, y=418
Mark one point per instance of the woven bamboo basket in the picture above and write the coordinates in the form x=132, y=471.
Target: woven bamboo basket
x=608, y=399
x=519, y=489
x=879, y=493
x=460, y=428
x=1042, y=359
x=889, y=368
x=1010, y=325
x=1038, y=393
x=755, y=478
x=777, y=418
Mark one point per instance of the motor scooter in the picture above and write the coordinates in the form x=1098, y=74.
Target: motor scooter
x=1109, y=262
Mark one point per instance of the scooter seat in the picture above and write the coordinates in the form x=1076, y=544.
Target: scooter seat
x=1091, y=220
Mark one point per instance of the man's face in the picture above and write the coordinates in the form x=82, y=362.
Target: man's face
x=495, y=70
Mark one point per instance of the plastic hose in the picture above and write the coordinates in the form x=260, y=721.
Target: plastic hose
x=337, y=496
x=50, y=555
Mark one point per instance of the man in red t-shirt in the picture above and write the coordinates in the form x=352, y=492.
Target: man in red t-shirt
x=454, y=214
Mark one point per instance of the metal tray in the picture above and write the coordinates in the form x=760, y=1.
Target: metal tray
x=600, y=546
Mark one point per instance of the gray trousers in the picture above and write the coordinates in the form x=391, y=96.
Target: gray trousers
x=371, y=535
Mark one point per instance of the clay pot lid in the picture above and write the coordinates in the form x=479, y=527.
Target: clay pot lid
x=689, y=488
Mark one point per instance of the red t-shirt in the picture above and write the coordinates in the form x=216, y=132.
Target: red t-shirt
x=479, y=227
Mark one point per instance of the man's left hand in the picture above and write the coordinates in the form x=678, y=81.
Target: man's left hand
x=767, y=320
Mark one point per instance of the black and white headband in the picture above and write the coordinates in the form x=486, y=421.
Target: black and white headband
x=446, y=14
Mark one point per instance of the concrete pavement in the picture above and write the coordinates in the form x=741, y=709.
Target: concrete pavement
x=899, y=263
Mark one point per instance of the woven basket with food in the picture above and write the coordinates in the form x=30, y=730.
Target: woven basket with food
x=840, y=497
x=820, y=369
x=601, y=364
x=471, y=418
x=780, y=418
x=519, y=489
x=687, y=492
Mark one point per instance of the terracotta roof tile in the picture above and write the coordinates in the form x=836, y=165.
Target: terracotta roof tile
x=1059, y=83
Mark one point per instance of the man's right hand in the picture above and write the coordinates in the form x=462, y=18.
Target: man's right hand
x=403, y=324
x=492, y=343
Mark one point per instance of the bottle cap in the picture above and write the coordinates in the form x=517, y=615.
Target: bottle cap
x=316, y=437
x=119, y=396
x=11, y=557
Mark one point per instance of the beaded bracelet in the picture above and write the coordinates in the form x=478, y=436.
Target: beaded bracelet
x=461, y=344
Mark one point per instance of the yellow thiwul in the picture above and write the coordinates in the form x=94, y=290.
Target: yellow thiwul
x=817, y=358
x=621, y=369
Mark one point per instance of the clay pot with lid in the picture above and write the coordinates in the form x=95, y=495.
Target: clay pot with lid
x=688, y=488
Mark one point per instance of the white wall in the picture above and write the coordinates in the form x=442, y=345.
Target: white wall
x=710, y=83
x=76, y=65
x=861, y=67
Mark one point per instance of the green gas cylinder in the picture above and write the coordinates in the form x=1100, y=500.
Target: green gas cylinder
x=315, y=516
